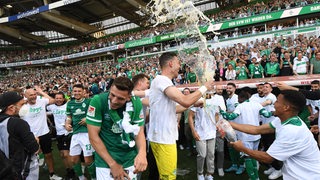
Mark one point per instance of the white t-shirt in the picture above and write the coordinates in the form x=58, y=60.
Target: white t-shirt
x=269, y=108
x=248, y=114
x=204, y=121
x=232, y=103
x=59, y=116
x=300, y=66
x=163, y=126
x=218, y=101
x=296, y=147
x=36, y=116
x=256, y=98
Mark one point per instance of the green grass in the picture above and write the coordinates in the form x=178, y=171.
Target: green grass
x=185, y=163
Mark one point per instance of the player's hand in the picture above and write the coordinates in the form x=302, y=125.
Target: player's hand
x=140, y=163
x=284, y=86
x=38, y=89
x=118, y=172
x=238, y=145
x=83, y=121
x=195, y=136
x=68, y=127
x=311, y=117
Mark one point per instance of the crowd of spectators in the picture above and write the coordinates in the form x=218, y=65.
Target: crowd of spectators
x=243, y=11
x=279, y=56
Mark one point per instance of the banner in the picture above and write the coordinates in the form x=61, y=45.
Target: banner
x=57, y=59
x=37, y=10
x=140, y=42
x=310, y=9
x=263, y=18
x=170, y=36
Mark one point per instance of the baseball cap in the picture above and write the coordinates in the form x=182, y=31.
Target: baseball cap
x=9, y=98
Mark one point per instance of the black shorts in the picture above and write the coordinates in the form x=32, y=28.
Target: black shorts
x=45, y=143
x=63, y=142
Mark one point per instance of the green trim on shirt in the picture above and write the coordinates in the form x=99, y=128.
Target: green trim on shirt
x=295, y=120
x=270, y=124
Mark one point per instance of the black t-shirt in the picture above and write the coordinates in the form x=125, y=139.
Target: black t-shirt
x=286, y=70
x=21, y=141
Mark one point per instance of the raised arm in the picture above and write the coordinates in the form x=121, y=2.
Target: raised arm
x=39, y=91
x=312, y=95
x=187, y=100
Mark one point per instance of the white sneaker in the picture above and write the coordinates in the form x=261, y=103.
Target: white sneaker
x=275, y=174
x=200, y=177
x=55, y=177
x=208, y=177
x=269, y=171
x=220, y=172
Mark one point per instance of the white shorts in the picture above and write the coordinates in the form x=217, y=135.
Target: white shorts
x=105, y=173
x=80, y=142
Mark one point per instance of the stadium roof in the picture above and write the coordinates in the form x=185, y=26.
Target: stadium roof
x=78, y=19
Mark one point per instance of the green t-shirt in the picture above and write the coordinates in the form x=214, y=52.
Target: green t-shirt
x=272, y=68
x=111, y=133
x=265, y=52
x=243, y=73
x=77, y=111
x=256, y=71
x=192, y=77
x=316, y=66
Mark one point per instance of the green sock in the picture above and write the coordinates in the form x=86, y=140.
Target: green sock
x=41, y=156
x=77, y=169
x=250, y=169
x=241, y=159
x=92, y=170
x=255, y=166
x=234, y=156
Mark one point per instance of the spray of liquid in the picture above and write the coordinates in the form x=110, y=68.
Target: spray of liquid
x=192, y=47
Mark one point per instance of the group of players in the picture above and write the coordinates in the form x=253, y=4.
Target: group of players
x=108, y=130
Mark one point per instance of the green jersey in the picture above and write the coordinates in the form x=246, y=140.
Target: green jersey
x=77, y=111
x=316, y=65
x=242, y=72
x=272, y=68
x=266, y=52
x=192, y=77
x=111, y=132
x=256, y=71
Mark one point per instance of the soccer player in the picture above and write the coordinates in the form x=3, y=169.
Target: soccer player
x=163, y=131
x=294, y=145
x=115, y=125
x=76, y=122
